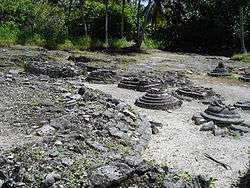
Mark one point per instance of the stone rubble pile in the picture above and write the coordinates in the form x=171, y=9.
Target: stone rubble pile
x=53, y=69
x=95, y=141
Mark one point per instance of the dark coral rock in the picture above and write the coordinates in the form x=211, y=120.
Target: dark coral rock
x=109, y=175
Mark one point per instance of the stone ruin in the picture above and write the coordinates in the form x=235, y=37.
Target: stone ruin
x=103, y=76
x=54, y=69
x=222, y=114
x=221, y=119
x=139, y=84
x=220, y=70
x=158, y=99
x=171, y=78
x=196, y=92
x=154, y=79
x=246, y=76
x=244, y=105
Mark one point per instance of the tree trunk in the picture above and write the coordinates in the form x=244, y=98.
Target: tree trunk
x=145, y=22
x=122, y=22
x=138, y=20
x=82, y=3
x=106, y=23
x=242, y=32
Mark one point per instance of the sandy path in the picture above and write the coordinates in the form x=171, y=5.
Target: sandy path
x=181, y=145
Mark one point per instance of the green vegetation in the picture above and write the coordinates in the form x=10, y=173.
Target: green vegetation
x=242, y=57
x=9, y=32
x=93, y=24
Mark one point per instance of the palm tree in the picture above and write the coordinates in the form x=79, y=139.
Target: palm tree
x=138, y=21
x=106, y=23
x=151, y=12
x=242, y=32
x=82, y=3
x=122, y=21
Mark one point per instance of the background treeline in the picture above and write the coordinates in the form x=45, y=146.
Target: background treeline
x=202, y=26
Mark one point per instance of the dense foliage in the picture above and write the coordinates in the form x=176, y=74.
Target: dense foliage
x=209, y=26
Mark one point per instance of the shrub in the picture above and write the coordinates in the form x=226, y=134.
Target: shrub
x=119, y=43
x=36, y=40
x=67, y=45
x=9, y=32
x=82, y=42
x=152, y=44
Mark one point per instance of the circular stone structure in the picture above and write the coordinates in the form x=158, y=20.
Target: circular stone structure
x=222, y=114
x=138, y=84
x=244, y=105
x=158, y=99
x=102, y=76
x=246, y=77
x=196, y=92
x=220, y=70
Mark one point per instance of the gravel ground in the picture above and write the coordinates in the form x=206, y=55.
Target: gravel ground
x=181, y=145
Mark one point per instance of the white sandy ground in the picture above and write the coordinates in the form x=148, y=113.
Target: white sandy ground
x=181, y=145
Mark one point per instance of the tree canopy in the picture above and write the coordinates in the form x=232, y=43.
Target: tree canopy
x=203, y=26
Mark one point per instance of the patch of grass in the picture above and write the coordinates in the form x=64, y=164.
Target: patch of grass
x=67, y=45
x=119, y=43
x=242, y=57
x=160, y=178
x=77, y=173
x=184, y=176
x=233, y=77
x=37, y=154
x=151, y=44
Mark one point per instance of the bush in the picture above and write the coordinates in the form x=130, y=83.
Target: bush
x=83, y=42
x=152, y=44
x=119, y=43
x=36, y=40
x=67, y=45
x=9, y=32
